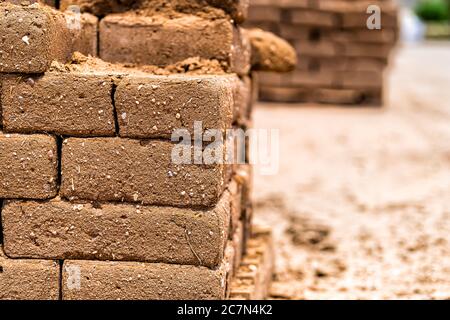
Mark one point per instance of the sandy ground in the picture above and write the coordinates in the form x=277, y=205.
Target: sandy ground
x=361, y=204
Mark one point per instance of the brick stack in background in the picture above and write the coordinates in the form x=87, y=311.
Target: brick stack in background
x=93, y=206
x=341, y=61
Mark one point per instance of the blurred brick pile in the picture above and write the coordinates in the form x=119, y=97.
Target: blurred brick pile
x=341, y=61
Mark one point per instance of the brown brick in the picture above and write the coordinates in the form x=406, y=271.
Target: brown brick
x=28, y=166
x=359, y=19
x=266, y=13
x=117, y=232
x=313, y=79
x=114, y=169
x=162, y=41
x=367, y=50
x=314, y=18
x=238, y=9
x=338, y=96
x=85, y=39
x=153, y=106
x=101, y=280
x=243, y=100
x=75, y=103
x=28, y=279
x=317, y=48
x=31, y=50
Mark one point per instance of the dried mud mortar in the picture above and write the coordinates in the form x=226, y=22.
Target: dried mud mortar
x=361, y=206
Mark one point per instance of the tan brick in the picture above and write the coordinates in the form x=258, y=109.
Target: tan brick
x=28, y=279
x=367, y=50
x=28, y=166
x=243, y=100
x=284, y=94
x=101, y=280
x=314, y=18
x=317, y=48
x=75, y=103
x=117, y=232
x=31, y=50
x=114, y=169
x=338, y=96
x=162, y=41
x=153, y=106
x=313, y=79
x=359, y=19
x=238, y=9
x=361, y=80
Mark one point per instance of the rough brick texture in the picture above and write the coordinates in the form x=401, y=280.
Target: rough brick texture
x=33, y=36
x=153, y=106
x=28, y=166
x=161, y=41
x=28, y=279
x=62, y=103
x=114, y=169
x=122, y=232
x=94, y=280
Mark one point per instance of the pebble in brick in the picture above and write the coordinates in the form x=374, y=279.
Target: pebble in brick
x=115, y=169
x=32, y=37
x=153, y=106
x=117, y=232
x=28, y=166
x=159, y=40
x=65, y=103
x=28, y=279
x=94, y=280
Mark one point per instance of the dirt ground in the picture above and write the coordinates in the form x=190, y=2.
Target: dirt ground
x=361, y=204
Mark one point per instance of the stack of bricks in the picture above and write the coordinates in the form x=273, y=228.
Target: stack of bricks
x=341, y=61
x=93, y=205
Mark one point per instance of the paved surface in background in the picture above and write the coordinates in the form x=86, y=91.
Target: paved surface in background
x=361, y=204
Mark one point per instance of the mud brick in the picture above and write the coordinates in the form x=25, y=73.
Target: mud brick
x=28, y=166
x=359, y=19
x=235, y=189
x=313, y=79
x=114, y=169
x=317, y=48
x=85, y=38
x=243, y=100
x=266, y=13
x=65, y=103
x=253, y=279
x=28, y=49
x=362, y=80
x=273, y=79
x=380, y=51
x=314, y=18
x=293, y=4
x=294, y=32
x=363, y=36
x=101, y=280
x=118, y=232
x=338, y=96
x=284, y=94
x=28, y=279
x=153, y=106
x=162, y=41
